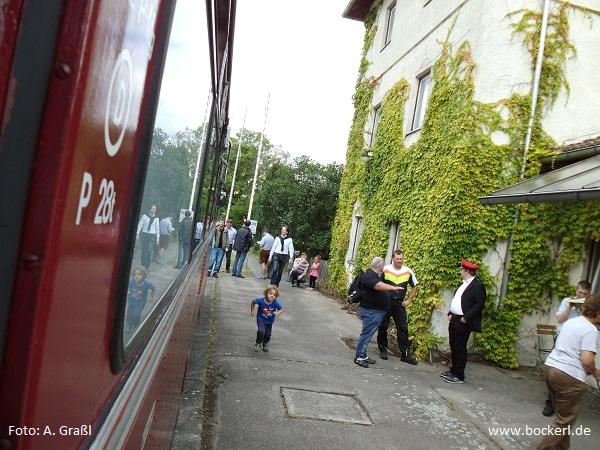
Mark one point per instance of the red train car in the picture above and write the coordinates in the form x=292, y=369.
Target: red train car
x=94, y=344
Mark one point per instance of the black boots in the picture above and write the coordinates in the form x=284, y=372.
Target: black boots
x=407, y=358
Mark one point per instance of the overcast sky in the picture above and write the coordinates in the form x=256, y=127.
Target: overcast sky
x=303, y=53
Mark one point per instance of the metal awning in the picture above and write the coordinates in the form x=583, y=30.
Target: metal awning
x=579, y=181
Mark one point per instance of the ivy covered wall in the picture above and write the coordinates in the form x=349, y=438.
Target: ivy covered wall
x=431, y=189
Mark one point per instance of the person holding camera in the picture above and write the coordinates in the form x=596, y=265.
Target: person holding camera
x=373, y=307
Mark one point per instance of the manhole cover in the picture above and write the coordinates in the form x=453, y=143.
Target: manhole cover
x=335, y=407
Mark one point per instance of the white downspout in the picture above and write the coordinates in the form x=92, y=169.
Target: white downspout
x=537, y=75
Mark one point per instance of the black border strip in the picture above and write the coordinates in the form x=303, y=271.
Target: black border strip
x=32, y=65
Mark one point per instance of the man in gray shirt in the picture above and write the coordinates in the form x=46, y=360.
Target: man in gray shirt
x=266, y=244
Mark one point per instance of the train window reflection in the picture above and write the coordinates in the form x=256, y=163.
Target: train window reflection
x=166, y=232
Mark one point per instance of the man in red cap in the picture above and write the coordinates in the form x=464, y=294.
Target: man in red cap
x=464, y=316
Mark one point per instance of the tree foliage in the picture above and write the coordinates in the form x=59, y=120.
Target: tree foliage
x=171, y=170
x=302, y=195
x=245, y=171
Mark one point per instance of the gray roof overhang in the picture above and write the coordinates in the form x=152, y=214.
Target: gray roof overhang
x=357, y=9
x=576, y=182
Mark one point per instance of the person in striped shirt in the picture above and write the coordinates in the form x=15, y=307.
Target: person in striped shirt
x=397, y=274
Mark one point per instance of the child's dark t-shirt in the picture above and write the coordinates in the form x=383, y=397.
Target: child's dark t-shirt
x=139, y=292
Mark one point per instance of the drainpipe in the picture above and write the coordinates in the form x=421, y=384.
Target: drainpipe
x=534, y=97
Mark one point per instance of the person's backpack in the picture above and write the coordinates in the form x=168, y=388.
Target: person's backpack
x=355, y=293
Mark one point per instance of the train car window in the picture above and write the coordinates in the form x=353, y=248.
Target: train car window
x=166, y=226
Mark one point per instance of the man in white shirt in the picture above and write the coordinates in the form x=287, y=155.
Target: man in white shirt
x=464, y=316
x=567, y=310
x=198, y=233
x=148, y=231
x=281, y=252
x=571, y=360
x=231, y=235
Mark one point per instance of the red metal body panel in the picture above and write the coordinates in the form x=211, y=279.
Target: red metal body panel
x=57, y=369
x=99, y=108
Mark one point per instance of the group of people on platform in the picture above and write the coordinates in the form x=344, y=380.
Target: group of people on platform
x=275, y=254
x=384, y=296
x=154, y=236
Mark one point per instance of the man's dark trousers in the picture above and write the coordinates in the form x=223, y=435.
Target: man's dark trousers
x=228, y=257
x=279, y=262
x=147, y=240
x=398, y=313
x=458, y=335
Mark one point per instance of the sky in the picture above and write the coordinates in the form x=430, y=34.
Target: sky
x=304, y=56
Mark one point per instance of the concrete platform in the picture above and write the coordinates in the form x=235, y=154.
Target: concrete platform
x=246, y=395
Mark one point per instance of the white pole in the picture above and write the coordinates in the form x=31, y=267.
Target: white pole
x=237, y=158
x=534, y=97
x=258, y=158
x=199, y=152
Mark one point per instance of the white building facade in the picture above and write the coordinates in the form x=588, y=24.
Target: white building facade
x=407, y=44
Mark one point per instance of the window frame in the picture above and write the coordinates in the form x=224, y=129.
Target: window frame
x=592, y=269
x=421, y=105
x=128, y=349
x=374, y=125
x=389, y=24
x=356, y=234
x=393, y=240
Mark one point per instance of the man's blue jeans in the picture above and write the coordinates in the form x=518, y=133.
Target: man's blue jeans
x=238, y=263
x=371, y=318
x=216, y=257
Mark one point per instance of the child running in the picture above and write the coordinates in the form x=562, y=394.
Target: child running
x=314, y=273
x=266, y=308
x=137, y=295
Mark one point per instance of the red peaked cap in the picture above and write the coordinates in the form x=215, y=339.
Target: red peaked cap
x=468, y=265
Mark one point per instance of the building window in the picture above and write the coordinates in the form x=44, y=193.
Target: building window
x=389, y=25
x=592, y=273
x=394, y=241
x=374, y=125
x=422, y=99
x=355, y=238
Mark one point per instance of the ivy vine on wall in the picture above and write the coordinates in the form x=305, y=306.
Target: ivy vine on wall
x=431, y=190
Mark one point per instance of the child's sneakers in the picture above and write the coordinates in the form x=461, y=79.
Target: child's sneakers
x=265, y=347
x=257, y=347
